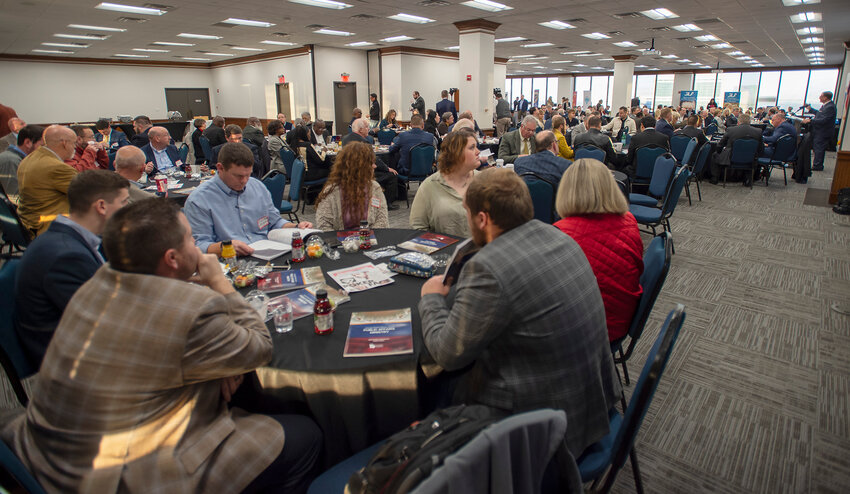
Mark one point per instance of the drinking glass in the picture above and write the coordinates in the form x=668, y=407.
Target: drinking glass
x=283, y=317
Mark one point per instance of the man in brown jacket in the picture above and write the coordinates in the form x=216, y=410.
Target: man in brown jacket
x=132, y=394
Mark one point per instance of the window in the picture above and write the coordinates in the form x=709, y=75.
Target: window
x=552, y=89
x=538, y=95
x=792, y=91
x=727, y=82
x=526, y=88
x=611, y=94
x=768, y=89
x=645, y=90
x=599, y=90
x=749, y=88
x=820, y=81
x=583, y=91
x=664, y=89
x=704, y=86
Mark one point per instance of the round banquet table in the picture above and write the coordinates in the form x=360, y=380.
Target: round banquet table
x=357, y=401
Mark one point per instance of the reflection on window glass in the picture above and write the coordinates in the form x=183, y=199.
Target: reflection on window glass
x=704, y=86
x=727, y=82
x=645, y=90
x=768, y=89
x=664, y=90
x=583, y=91
x=599, y=90
x=538, y=92
x=552, y=89
x=749, y=88
x=792, y=92
x=821, y=80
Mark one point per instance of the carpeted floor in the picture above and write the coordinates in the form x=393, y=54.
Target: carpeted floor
x=757, y=395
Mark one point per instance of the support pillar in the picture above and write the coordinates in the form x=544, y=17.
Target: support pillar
x=624, y=71
x=476, y=84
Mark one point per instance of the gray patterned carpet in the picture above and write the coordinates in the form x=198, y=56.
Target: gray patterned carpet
x=757, y=395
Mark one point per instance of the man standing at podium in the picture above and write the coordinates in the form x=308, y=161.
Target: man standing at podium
x=822, y=128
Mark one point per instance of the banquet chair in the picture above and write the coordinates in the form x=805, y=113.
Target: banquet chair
x=184, y=152
x=610, y=453
x=12, y=357
x=288, y=157
x=654, y=217
x=697, y=169
x=207, y=149
x=656, y=265
x=744, y=153
x=662, y=173
x=18, y=476
x=386, y=136
x=711, y=129
x=645, y=158
x=15, y=235
x=678, y=144
x=689, y=152
x=590, y=151
x=783, y=151
x=275, y=182
x=543, y=194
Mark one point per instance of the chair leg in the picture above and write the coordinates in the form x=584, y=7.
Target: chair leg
x=785, y=174
x=636, y=471
x=625, y=370
x=688, y=192
x=725, y=169
x=699, y=192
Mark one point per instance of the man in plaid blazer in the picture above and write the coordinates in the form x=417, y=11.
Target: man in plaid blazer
x=132, y=395
x=527, y=314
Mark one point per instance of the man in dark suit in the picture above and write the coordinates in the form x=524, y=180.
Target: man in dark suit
x=740, y=131
x=160, y=153
x=141, y=126
x=404, y=142
x=691, y=130
x=287, y=125
x=374, y=110
x=445, y=105
x=253, y=132
x=663, y=124
x=519, y=142
x=545, y=162
x=647, y=136
x=418, y=104
x=114, y=138
x=823, y=128
x=595, y=137
x=781, y=127
x=318, y=133
x=530, y=349
x=234, y=134
x=215, y=132
x=64, y=257
x=386, y=177
x=733, y=118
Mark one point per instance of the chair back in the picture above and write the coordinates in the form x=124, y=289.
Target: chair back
x=184, y=153
x=15, y=235
x=645, y=158
x=678, y=143
x=674, y=191
x=386, y=136
x=590, y=151
x=711, y=129
x=744, y=153
x=784, y=148
x=542, y=196
x=296, y=179
x=275, y=182
x=17, y=470
x=205, y=146
x=288, y=157
x=689, y=152
x=656, y=265
x=265, y=158
x=702, y=159
x=421, y=161
x=662, y=173
x=12, y=357
x=112, y=155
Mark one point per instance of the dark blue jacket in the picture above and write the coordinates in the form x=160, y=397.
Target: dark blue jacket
x=523, y=105
x=404, y=142
x=823, y=124
x=545, y=164
x=664, y=127
x=141, y=140
x=445, y=105
x=117, y=139
x=257, y=163
x=172, y=153
x=53, y=267
x=785, y=128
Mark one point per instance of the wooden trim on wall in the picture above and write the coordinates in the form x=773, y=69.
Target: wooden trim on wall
x=477, y=25
x=426, y=52
x=273, y=55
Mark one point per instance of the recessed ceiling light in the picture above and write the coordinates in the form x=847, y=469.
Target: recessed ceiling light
x=735, y=53
x=574, y=52
x=528, y=63
x=151, y=50
x=117, y=7
x=687, y=27
x=171, y=43
x=640, y=66
x=67, y=45
x=97, y=28
x=130, y=55
x=696, y=63
x=394, y=39
x=751, y=61
x=245, y=48
x=557, y=25
x=744, y=57
x=360, y=43
x=562, y=61
x=588, y=54
x=810, y=30
x=411, y=18
x=596, y=36
x=215, y=54
x=605, y=59
x=58, y=52
x=93, y=37
x=536, y=45
x=808, y=41
x=509, y=40
x=579, y=65
x=721, y=46
x=794, y=3
x=197, y=36
x=539, y=67
x=456, y=47
x=327, y=4
x=814, y=48
x=625, y=44
x=658, y=14
x=669, y=56
x=278, y=43
x=537, y=58
x=333, y=32
x=196, y=59
x=487, y=5
x=683, y=60
x=806, y=17
x=706, y=37
x=246, y=22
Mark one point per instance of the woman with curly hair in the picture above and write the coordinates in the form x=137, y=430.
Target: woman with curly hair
x=351, y=193
x=389, y=121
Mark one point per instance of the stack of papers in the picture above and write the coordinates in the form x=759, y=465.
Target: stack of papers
x=268, y=249
x=361, y=277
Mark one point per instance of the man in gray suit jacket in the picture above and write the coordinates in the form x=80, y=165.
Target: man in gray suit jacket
x=518, y=142
x=527, y=316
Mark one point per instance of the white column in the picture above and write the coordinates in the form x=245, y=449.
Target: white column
x=624, y=71
x=476, y=81
x=391, y=86
x=682, y=81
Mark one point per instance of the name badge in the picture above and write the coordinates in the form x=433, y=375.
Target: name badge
x=263, y=222
x=376, y=203
x=179, y=163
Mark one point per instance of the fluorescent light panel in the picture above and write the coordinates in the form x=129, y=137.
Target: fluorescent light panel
x=130, y=55
x=658, y=14
x=326, y=4
x=246, y=22
x=151, y=50
x=93, y=37
x=574, y=52
x=278, y=43
x=333, y=32
x=687, y=28
x=215, y=54
x=487, y=5
x=362, y=43
x=130, y=9
x=625, y=44
x=557, y=25
x=415, y=19
x=669, y=56
x=806, y=17
x=58, y=52
x=536, y=45
x=721, y=46
x=171, y=43
x=96, y=28
x=509, y=40
x=588, y=55
x=394, y=39
x=735, y=53
x=810, y=30
x=707, y=37
x=794, y=3
x=67, y=45
x=596, y=36
x=245, y=48
x=197, y=36
x=196, y=59
x=808, y=41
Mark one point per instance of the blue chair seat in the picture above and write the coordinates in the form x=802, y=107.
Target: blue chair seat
x=597, y=457
x=285, y=207
x=645, y=214
x=644, y=200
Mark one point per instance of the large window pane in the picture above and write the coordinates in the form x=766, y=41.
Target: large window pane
x=610, y=101
x=599, y=89
x=664, y=90
x=820, y=81
x=727, y=82
x=768, y=89
x=526, y=88
x=704, y=86
x=645, y=90
x=538, y=92
x=552, y=89
x=749, y=88
x=792, y=91
x=583, y=97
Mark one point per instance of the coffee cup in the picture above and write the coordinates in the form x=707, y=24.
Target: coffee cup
x=500, y=162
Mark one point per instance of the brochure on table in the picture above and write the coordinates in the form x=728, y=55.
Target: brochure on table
x=428, y=243
x=361, y=277
x=269, y=249
x=277, y=281
x=386, y=332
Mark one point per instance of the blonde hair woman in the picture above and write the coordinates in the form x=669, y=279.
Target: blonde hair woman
x=596, y=215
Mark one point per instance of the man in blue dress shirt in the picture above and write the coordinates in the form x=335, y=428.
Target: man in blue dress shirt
x=160, y=153
x=233, y=205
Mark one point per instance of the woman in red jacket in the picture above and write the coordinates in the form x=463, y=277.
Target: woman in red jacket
x=596, y=215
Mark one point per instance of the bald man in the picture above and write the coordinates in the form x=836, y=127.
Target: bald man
x=130, y=163
x=11, y=139
x=43, y=179
x=161, y=155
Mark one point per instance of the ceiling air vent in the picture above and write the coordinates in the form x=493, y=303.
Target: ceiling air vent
x=577, y=20
x=159, y=6
x=364, y=17
x=433, y=3
x=281, y=35
x=627, y=15
x=136, y=20
x=713, y=20
x=660, y=28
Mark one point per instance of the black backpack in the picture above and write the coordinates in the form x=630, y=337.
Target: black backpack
x=843, y=203
x=411, y=455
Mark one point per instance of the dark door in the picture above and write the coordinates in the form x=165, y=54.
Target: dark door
x=345, y=101
x=190, y=102
x=284, y=103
